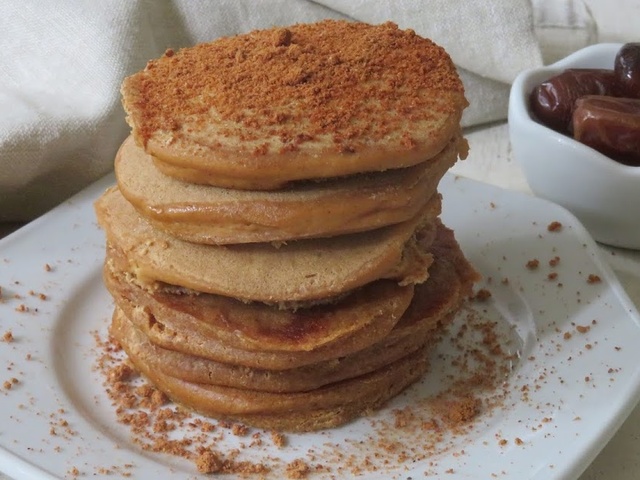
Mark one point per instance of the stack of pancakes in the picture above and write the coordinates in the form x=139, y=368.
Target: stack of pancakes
x=274, y=247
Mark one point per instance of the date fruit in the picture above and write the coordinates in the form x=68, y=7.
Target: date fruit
x=627, y=68
x=553, y=100
x=609, y=125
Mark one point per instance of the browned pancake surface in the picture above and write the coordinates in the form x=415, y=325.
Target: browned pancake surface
x=195, y=369
x=260, y=327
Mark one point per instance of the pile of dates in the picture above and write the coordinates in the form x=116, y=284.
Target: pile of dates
x=598, y=107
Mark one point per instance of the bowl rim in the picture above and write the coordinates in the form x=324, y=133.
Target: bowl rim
x=519, y=112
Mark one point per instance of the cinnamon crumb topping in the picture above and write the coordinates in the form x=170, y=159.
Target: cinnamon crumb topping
x=533, y=264
x=239, y=429
x=348, y=81
x=297, y=469
x=208, y=462
x=583, y=328
x=282, y=37
x=554, y=226
x=121, y=373
x=462, y=410
x=278, y=439
x=483, y=295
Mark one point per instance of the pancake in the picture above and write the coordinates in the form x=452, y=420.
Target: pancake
x=322, y=100
x=201, y=343
x=260, y=327
x=334, y=403
x=206, y=214
x=194, y=369
x=303, y=270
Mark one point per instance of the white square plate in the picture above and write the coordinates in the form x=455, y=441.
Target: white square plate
x=579, y=389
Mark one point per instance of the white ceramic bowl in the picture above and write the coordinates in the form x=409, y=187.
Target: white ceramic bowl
x=603, y=194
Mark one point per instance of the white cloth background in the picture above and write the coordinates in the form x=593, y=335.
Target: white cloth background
x=61, y=65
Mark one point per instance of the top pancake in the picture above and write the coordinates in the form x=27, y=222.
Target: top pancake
x=259, y=110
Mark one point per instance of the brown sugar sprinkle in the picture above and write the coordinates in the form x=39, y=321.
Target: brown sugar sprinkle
x=239, y=430
x=120, y=373
x=462, y=410
x=350, y=81
x=208, y=462
x=533, y=264
x=7, y=337
x=554, y=226
x=552, y=276
x=298, y=469
x=278, y=439
x=518, y=441
x=583, y=328
x=151, y=397
x=282, y=37
x=554, y=261
x=483, y=295
x=41, y=296
x=47, y=267
x=157, y=399
x=592, y=278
